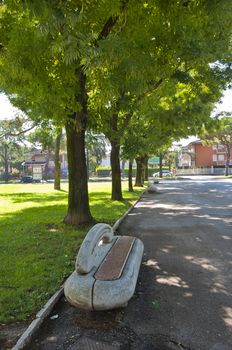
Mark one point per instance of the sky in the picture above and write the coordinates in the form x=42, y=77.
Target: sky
x=7, y=111
x=226, y=104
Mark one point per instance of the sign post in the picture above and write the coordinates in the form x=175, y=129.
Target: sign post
x=37, y=173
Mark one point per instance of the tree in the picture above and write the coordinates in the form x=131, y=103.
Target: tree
x=50, y=51
x=222, y=135
x=170, y=157
x=164, y=53
x=46, y=47
x=12, y=137
x=95, y=150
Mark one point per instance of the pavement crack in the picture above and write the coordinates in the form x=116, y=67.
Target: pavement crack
x=180, y=345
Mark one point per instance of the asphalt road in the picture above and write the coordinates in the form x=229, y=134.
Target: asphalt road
x=185, y=286
x=183, y=298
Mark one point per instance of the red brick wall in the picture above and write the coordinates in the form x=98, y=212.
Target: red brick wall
x=204, y=155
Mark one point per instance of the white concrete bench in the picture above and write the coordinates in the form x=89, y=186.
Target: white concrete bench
x=106, y=270
x=152, y=189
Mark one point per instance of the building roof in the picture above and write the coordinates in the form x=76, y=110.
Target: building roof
x=33, y=162
x=197, y=142
x=154, y=160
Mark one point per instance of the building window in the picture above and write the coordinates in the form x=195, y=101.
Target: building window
x=214, y=147
x=221, y=147
x=214, y=157
x=221, y=157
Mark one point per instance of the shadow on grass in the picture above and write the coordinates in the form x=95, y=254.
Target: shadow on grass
x=63, y=194
x=34, y=197
x=38, y=250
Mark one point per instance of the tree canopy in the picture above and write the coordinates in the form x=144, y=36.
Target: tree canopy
x=12, y=143
x=100, y=64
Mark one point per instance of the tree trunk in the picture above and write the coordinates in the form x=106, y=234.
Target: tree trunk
x=161, y=165
x=130, y=184
x=142, y=176
x=57, y=161
x=115, y=170
x=6, y=164
x=87, y=162
x=227, y=160
x=139, y=170
x=145, y=162
x=116, y=193
x=123, y=168
x=78, y=200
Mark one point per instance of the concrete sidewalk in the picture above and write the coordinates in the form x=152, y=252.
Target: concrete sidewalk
x=183, y=298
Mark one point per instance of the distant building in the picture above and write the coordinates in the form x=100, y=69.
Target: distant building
x=35, y=165
x=207, y=156
x=41, y=165
x=196, y=155
x=154, y=161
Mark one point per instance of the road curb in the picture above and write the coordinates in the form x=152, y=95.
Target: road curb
x=118, y=222
x=37, y=322
x=47, y=308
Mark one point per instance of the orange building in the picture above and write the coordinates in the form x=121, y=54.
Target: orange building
x=208, y=156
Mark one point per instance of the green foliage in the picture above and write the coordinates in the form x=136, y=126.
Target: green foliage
x=44, y=136
x=12, y=147
x=222, y=133
x=95, y=149
x=150, y=61
x=99, y=168
x=170, y=158
x=103, y=171
x=45, y=43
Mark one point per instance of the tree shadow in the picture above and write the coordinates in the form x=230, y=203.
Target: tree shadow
x=184, y=292
x=38, y=250
x=34, y=197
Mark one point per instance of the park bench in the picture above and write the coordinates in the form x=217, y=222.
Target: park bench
x=152, y=189
x=106, y=270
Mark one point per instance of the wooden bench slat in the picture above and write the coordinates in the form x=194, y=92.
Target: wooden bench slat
x=112, y=266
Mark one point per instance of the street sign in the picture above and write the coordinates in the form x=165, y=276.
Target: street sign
x=37, y=172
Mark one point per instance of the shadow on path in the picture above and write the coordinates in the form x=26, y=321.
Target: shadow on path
x=183, y=298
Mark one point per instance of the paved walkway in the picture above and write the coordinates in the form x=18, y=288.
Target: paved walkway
x=183, y=299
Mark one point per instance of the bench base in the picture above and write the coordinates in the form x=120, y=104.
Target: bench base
x=87, y=292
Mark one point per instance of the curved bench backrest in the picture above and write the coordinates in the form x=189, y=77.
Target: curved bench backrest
x=90, y=252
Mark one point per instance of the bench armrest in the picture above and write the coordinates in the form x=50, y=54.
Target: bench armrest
x=90, y=251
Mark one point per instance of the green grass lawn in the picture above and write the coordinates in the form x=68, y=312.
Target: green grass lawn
x=37, y=251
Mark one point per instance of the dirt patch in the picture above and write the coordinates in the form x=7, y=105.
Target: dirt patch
x=9, y=333
x=67, y=326
x=98, y=320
